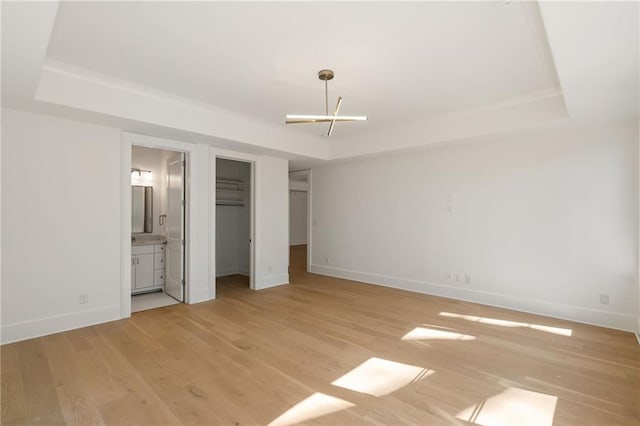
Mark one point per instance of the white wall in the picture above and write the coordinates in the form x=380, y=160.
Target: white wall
x=233, y=222
x=274, y=228
x=62, y=221
x=543, y=223
x=297, y=217
x=61, y=224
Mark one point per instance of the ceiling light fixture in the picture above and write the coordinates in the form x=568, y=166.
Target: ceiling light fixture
x=325, y=75
x=141, y=177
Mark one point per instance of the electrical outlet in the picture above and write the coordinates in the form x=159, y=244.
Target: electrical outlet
x=448, y=276
x=604, y=299
x=269, y=268
x=467, y=279
x=457, y=277
x=326, y=260
x=84, y=298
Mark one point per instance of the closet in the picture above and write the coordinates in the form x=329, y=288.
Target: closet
x=233, y=217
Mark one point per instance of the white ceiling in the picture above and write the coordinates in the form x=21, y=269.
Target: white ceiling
x=226, y=73
x=393, y=61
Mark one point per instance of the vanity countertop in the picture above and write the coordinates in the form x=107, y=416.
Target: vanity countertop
x=149, y=242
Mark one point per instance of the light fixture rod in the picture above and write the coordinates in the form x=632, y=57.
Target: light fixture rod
x=326, y=97
x=333, y=122
x=327, y=117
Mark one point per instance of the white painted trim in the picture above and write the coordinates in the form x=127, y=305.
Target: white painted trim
x=256, y=207
x=125, y=227
x=58, y=323
x=309, y=218
x=227, y=272
x=274, y=281
x=637, y=247
x=193, y=270
x=198, y=295
x=539, y=307
x=212, y=225
x=297, y=243
x=76, y=87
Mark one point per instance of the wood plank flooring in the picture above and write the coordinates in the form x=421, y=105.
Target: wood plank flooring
x=393, y=357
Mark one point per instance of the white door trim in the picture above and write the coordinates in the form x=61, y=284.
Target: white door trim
x=193, y=271
x=256, y=208
x=309, y=219
x=175, y=243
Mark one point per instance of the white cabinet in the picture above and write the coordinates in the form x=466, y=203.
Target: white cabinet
x=144, y=271
x=158, y=264
x=147, y=267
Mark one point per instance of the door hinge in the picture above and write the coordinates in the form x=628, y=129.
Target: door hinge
x=183, y=203
x=183, y=242
x=182, y=282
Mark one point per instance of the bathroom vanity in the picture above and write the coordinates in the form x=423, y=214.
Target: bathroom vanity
x=147, y=266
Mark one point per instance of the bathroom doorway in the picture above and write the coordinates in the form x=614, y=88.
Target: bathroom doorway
x=158, y=219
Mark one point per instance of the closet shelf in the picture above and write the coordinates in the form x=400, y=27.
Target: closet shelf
x=229, y=192
x=229, y=203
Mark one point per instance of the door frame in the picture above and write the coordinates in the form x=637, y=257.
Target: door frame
x=253, y=181
x=181, y=160
x=191, y=219
x=306, y=173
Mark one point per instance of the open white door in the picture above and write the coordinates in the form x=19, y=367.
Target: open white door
x=174, y=284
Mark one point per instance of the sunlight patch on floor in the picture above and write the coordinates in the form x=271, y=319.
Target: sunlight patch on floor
x=316, y=405
x=512, y=407
x=506, y=323
x=380, y=377
x=423, y=333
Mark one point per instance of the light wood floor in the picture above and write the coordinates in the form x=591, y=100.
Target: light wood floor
x=254, y=357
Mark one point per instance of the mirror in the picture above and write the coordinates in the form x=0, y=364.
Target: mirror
x=141, y=209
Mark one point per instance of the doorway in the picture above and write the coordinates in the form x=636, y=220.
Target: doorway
x=157, y=247
x=299, y=221
x=234, y=225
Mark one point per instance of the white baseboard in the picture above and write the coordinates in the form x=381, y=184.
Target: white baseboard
x=540, y=307
x=226, y=272
x=200, y=294
x=55, y=324
x=272, y=281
